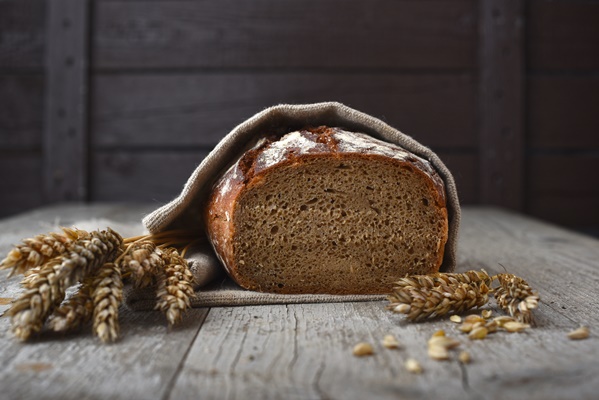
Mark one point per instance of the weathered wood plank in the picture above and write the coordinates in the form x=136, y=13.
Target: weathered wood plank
x=21, y=113
x=270, y=33
x=563, y=111
x=304, y=351
x=565, y=189
x=22, y=36
x=577, y=211
x=563, y=34
x=141, y=176
x=501, y=103
x=564, y=174
x=563, y=267
x=199, y=109
x=464, y=168
x=65, y=133
x=21, y=177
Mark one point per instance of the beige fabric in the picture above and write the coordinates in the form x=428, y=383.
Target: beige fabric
x=185, y=210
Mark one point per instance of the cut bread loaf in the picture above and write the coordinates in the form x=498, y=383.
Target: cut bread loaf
x=327, y=211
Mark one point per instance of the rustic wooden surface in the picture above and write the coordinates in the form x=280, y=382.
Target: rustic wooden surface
x=304, y=351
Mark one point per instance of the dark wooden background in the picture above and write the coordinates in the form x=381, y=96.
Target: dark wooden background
x=120, y=99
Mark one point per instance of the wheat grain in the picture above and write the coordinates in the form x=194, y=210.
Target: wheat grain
x=390, y=342
x=443, y=341
x=413, y=366
x=464, y=357
x=478, y=333
x=438, y=353
x=363, y=349
x=578, y=334
x=515, y=326
x=107, y=294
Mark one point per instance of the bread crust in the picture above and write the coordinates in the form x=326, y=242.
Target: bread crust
x=294, y=148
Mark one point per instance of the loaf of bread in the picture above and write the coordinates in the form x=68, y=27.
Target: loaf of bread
x=324, y=210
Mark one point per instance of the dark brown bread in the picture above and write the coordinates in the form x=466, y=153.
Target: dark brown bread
x=327, y=211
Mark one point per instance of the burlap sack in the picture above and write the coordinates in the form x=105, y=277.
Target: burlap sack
x=185, y=210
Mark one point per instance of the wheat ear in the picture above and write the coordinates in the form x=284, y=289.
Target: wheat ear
x=175, y=286
x=515, y=296
x=142, y=259
x=107, y=295
x=44, y=292
x=75, y=312
x=426, y=296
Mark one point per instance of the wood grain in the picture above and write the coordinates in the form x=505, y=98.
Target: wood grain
x=464, y=168
x=199, y=109
x=564, y=174
x=563, y=111
x=22, y=110
x=565, y=189
x=542, y=364
x=304, y=350
x=22, y=39
x=563, y=35
x=65, y=126
x=20, y=174
x=271, y=33
x=142, y=176
x=501, y=103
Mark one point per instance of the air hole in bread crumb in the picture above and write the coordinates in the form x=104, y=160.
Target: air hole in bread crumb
x=274, y=230
x=425, y=202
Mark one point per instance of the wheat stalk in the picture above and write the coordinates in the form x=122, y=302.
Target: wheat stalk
x=175, y=286
x=426, y=296
x=107, y=294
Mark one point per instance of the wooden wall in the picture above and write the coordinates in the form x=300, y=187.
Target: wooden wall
x=505, y=93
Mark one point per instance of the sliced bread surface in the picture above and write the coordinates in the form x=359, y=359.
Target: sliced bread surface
x=328, y=211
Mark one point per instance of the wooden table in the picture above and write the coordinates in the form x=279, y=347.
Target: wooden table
x=304, y=351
